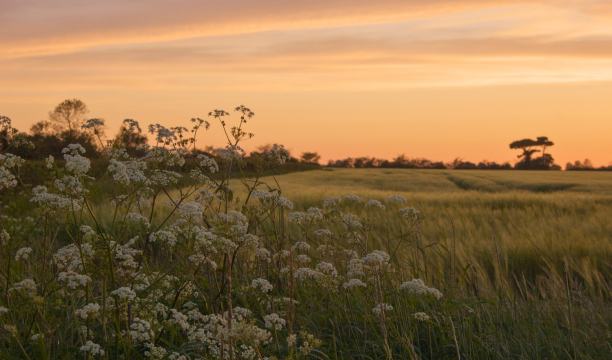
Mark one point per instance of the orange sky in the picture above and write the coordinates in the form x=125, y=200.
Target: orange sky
x=438, y=78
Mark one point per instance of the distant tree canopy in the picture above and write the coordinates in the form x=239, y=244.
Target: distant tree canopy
x=310, y=157
x=130, y=139
x=68, y=116
x=62, y=128
x=530, y=147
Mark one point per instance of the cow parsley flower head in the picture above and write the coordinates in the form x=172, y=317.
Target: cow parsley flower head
x=23, y=253
x=273, y=321
x=409, y=213
x=132, y=126
x=420, y=316
x=353, y=283
x=278, y=154
x=397, y=199
x=374, y=204
x=50, y=161
x=417, y=286
x=354, y=198
x=262, y=285
x=27, y=284
x=92, y=124
x=332, y=201
x=322, y=232
x=382, y=307
x=89, y=310
x=92, y=348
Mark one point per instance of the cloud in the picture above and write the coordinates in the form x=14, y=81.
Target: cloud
x=33, y=27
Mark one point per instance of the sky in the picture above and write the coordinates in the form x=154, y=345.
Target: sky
x=440, y=79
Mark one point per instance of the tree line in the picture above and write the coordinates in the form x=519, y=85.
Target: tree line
x=64, y=123
x=527, y=160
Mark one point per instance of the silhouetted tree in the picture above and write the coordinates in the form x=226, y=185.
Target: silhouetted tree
x=68, y=116
x=130, y=139
x=311, y=157
x=529, y=148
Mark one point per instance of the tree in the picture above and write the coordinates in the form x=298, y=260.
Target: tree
x=310, y=157
x=68, y=116
x=529, y=148
x=130, y=139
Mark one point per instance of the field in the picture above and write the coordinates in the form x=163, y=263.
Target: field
x=143, y=264
x=535, y=216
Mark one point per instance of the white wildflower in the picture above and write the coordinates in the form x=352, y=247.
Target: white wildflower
x=92, y=348
x=27, y=284
x=374, y=203
x=124, y=293
x=420, y=316
x=89, y=310
x=23, y=253
x=353, y=283
x=397, y=199
x=332, y=201
x=382, y=307
x=417, y=286
x=273, y=321
x=50, y=161
x=262, y=284
x=354, y=198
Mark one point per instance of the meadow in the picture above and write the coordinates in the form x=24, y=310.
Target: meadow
x=179, y=255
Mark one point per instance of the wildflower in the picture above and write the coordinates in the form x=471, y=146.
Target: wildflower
x=36, y=337
x=300, y=245
x=420, y=316
x=397, y=199
x=273, y=321
x=303, y=259
x=377, y=257
x=262, y=284
x=23, y=253
x=291, y=340
x=353, y=283
x=89, y=310
x=332, y=201
x=263, y=254
x=50, y=161
x=4, y=237
x=3, y=310
x=92, y=348
x=92, y=124
x=278, y=154
x=350, y=221
x=374, y=203
x=163, y=236
x=284, y=202
x=27, y=284
x=73, y=279
x=382, y=307
x=354, y=198
x=124, y=293
x=327, y=268
x=132, y=125
x=208, y=163
x=137, y=218
x=409, y=213
x=140, y=330
x=417, y=286
x=322, y=232
x=88, y=232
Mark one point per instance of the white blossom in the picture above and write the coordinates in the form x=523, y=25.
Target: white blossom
x=397, y=199
x=23, y=253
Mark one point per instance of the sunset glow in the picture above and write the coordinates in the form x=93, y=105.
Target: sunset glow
x=439, y=79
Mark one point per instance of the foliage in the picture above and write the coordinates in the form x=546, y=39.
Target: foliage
x=175, y=264
x=544, y=162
